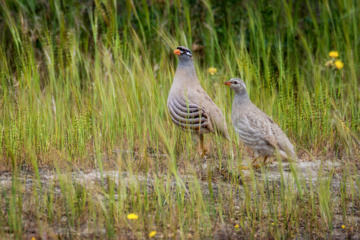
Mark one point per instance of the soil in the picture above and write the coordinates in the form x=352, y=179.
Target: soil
x=310, y=171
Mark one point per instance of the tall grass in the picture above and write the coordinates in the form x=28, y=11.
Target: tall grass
x=77, y=77
x=84, y=84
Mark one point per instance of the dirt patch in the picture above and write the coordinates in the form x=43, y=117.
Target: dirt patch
x=274, y=173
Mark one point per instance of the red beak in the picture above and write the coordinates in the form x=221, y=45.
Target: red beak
x=177, y=52
x=227, y=83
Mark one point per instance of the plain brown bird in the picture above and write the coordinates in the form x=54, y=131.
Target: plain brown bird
x=256, y=129
x=189, y=105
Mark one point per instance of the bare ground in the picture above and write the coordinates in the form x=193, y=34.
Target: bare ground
x=309, y=171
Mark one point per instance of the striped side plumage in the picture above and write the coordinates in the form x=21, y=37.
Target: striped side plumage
x=190, y=107
x=189, y=116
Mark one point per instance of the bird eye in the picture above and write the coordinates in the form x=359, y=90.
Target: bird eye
x=235, y=83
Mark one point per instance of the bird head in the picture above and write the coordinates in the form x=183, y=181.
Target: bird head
x=183, y=53
x=237, y=85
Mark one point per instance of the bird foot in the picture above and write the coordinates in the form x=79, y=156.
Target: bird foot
x=256, y=166
x=203, y=152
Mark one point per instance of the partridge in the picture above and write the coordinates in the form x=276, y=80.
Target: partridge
x=256, y=129
x=190, y=107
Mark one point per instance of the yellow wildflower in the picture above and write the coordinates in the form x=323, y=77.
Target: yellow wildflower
x=212, y=70
x=132, y=216
x=236, y=226
x=334, y=54
x=343, y=226
x=151, y=234
x=273, y=224
x=33, y=238
x=339, y=64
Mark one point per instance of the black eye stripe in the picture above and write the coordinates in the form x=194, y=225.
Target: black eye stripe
x=184, y=50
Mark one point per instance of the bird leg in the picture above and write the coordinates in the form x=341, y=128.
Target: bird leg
x=203, y=151
x=253, y=163
x=265, y=160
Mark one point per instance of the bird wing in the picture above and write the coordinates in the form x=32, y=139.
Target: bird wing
x=260, y=123
x=188, y=115
x=258, y=127
x=283, y=141
x=197, y=95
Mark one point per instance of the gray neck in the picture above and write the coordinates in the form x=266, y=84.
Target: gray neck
x=187, y=65
x=241, y=98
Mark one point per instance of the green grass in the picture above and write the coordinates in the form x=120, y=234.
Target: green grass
x=81, y=80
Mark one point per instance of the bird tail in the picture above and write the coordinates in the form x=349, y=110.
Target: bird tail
x=290, y=155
